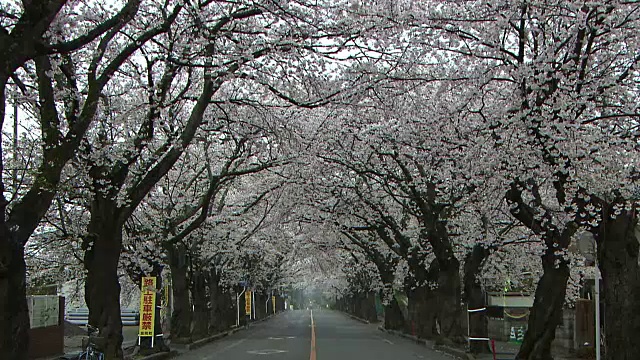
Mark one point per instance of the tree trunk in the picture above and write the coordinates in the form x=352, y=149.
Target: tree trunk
x=182, y=313
x=446, y=269
x=393, y=318
x=618, y=257
x=200, y=308
x=223, y=311
x=475, y=298
x=436, y=312
x=227, y=305
x=102, y=288
x=422, y=312
x=259, y=305
x=546, y=313
x=372, y=313
x=14, y=313
x=448, y=295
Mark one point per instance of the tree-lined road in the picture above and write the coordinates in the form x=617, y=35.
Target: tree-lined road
x=288, y=336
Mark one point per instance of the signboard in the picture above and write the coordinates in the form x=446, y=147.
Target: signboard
x=44, y=310
x=247, y=302
x=147, y=306
x=273, y=303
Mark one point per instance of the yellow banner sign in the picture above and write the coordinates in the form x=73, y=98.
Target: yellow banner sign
x=147, y=306
x=247, y=302
x=273, y=303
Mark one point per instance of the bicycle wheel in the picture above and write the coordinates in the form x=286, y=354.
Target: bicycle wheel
x=91, y=354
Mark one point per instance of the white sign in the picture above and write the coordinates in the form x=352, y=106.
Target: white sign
x=44, y=310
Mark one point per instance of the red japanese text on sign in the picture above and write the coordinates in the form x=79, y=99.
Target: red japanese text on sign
x=147, y=306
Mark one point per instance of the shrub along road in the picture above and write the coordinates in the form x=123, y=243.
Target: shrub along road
x=318, y=334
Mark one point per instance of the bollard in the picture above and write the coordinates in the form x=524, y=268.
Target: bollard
x=493, y=348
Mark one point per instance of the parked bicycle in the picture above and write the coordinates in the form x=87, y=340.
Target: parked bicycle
x=91, y=349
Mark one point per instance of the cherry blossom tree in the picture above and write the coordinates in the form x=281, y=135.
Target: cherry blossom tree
x=573, y=90
x=41, y=51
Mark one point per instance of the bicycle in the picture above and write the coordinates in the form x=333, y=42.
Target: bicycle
x=91, y=349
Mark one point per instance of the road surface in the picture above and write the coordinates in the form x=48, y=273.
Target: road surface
x=333, y=336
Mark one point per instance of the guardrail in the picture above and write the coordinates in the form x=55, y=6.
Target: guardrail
x=81, y=316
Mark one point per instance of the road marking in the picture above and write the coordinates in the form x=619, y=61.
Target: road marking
x=266, y=351
x=385, y=340
x=224, y=349
x=313, y=339
x=233, y=345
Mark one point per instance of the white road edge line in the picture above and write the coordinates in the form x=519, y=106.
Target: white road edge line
x=385, y=340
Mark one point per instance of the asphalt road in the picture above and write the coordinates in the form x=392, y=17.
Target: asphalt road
x=333, y=336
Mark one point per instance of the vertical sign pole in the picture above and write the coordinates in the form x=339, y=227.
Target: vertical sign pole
x=238, y=305
x=468, y=328
x=253, y=305
x=597, y=310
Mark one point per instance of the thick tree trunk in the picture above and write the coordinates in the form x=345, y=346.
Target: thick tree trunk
x=102, y=288
x=358, y=303
x=436, y=313
x=393, y=318
x=449, y=305
x=223, y=308
x=546, y=313
x=369, y=309
x=200, y=308
x=182, y=313
x=14, y=313
x=422, y=312
x=446, y=269
x=279, y=303
x=217, y=321
x=262, y=308
x=475, y=298
x=227, y=305
x=618, y=257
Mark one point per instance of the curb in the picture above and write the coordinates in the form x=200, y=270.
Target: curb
x=460, y=354
x=204, y=341
x=356, y=318
x=160, y=356
x=264, y=319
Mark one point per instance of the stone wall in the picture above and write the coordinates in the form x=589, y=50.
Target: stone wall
x=500, y=329
x=564, y=340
